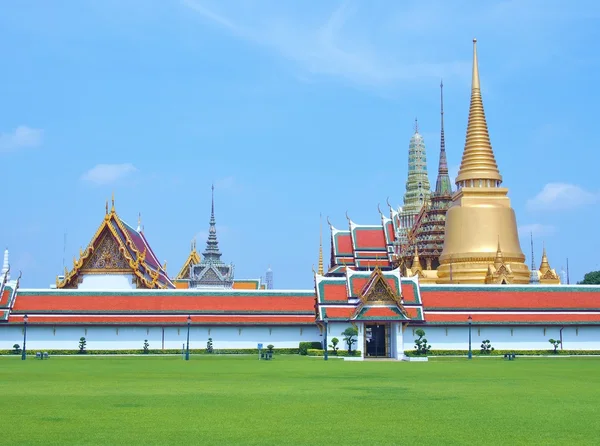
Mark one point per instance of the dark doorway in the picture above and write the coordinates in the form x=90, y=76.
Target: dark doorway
x=376, y=345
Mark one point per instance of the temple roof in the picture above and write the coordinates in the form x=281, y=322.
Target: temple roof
x=192, y=259
x=118, y=248
x=164, y=307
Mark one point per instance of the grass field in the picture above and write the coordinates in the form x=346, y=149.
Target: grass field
x=298, y=400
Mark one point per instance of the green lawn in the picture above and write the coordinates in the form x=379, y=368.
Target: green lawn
x=298, y=400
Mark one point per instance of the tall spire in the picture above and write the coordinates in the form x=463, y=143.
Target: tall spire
x=478, y=161
x=5, y=265
x=443, y=185
x=212, y=253
x=320, y=271
x=534, y=278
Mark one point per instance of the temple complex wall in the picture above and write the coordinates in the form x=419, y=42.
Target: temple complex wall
x=245, y=337
x=128, y=337
x=506, y=337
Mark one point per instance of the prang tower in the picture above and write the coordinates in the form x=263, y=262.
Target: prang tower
x=481, y=239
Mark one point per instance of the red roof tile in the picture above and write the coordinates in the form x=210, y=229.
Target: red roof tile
x=510, y=298
x=163, y=302
x=512, y=317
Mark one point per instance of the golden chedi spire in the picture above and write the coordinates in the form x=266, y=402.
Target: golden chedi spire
x=478, y=161
x=480, y=219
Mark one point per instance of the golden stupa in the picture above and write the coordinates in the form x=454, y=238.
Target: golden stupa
x=481, y=227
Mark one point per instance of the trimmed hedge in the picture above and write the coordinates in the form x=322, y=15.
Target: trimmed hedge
x=503, y=352
x=225, y=351
x=341, y=353
x=305, y=346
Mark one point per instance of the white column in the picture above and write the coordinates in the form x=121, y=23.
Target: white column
x=398, y=336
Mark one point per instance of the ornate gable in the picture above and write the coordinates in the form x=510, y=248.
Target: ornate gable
x=193, y=259
x=106, y=257
x=377, y=292
x=117, y=248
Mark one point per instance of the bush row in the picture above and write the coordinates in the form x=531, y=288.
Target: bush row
x=319, y=352
x=503, y=352
x=225, y=351
x=305, y=346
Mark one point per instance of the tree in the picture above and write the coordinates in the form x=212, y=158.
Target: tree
x=421, y=346
x=333, y=345
x=486, y=347
x=591, y=278
x=209, y=346
x=16, y=349
x=82, y=344
x=349, y=337
x=555, y=344
x=146, y=346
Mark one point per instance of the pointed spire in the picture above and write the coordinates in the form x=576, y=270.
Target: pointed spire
x=443, y=185
x=544, y=265
x=416, y=125
x=106, y=207
x=416, y=264
x=6, y=265
x=534, y=278
x=499, y=260
x=212, y=253
x=478, y=161
x=320, y=271
x=112, y=209
x=139, y=226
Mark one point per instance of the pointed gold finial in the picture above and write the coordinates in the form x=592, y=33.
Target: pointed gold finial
x=478, y=167
x=416, y=264
x=320, y=245
x=544, y=265
x=112, y=209
x=498, y=261
x=106, y=207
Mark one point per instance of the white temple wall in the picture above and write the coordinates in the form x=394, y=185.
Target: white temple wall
x=127, y=337
x=107, y=282
x=240, y=337
x=505, y=337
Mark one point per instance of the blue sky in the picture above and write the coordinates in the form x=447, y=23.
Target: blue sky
x=291, y=109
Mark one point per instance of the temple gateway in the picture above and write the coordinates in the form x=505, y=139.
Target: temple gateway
x=447, y=261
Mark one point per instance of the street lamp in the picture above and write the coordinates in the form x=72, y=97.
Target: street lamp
x=187, y=348
x=470, y=324
x=24, y=352
x=325, y=355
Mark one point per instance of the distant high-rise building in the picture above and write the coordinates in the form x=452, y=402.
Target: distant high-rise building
x=269, y=278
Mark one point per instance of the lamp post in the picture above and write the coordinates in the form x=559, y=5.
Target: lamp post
x=187, y=347
x=325, y=355
x=24, y=352
x=470, y=356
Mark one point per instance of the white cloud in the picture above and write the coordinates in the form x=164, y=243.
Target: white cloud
x=537, y=229
x=333, y=45
x=388, y=43
x=22, y=137
x=103, y=174
x=561, y=196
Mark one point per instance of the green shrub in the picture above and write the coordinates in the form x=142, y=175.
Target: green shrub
x=333, y=345
x=304, y=346
x=146, y=346
x=16, y=349
x=486, y=347
x=555, y=344
x=209, y=346
x=82, y=345
x=421, y=346
x=249, y=351
x=320, y=352
x=349, y=337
